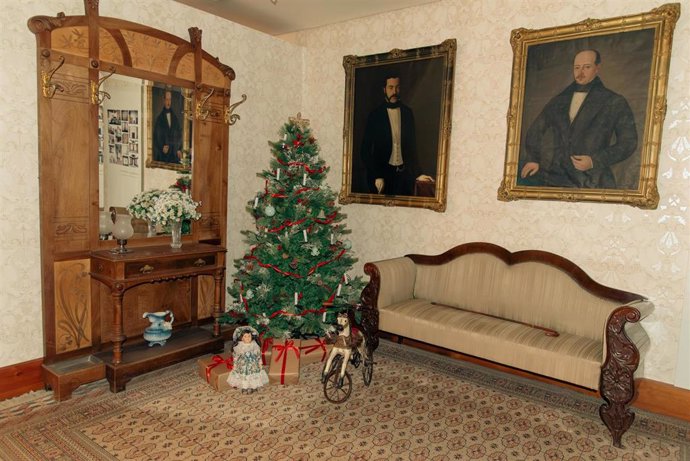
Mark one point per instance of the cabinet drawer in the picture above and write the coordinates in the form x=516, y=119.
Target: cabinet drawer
x=137, y=269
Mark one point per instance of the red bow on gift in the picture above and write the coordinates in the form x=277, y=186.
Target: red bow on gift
x=218, y=360
x=282, y=349
x=320, y=344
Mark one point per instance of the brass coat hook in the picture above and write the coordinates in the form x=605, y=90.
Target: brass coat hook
x=231, y=118
x=98, y=96
x=47, y=85
x=202, y=112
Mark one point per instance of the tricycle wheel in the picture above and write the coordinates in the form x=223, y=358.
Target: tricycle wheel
x=335, y=390
x=368, y=368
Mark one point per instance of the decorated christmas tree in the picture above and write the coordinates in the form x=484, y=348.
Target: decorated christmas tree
x=298, y=256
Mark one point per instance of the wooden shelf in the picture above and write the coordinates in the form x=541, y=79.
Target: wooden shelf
x=140, y=358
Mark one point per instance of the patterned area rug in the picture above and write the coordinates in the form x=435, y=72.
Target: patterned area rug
x=420, y=406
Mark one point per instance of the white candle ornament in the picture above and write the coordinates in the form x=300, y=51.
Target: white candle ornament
x=331, y=238
x=304, y=179
x=278, y=174
x=256, y=201
x=339, y=288
x=296, y=298
x=304, y=234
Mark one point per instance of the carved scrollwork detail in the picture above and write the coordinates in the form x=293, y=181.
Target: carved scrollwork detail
x=617, y=384
x=228, y=71
x=671, y=11
x=516, y=38
x=39, y=24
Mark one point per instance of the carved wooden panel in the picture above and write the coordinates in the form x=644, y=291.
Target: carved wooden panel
x=108, y=48
x=69, y=204
x=212, y=172
x=72, y=305
x=148, y=52
x=73, y=40
x=205, y=297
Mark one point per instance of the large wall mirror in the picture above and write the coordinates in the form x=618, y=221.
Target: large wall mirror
x=145, y=141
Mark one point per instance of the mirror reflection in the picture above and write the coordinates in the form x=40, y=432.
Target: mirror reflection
x=145, y=134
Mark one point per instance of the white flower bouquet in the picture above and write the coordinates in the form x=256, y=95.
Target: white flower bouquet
x=141, y=206
x=173, y=205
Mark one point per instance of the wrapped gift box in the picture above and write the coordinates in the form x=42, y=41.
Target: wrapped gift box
x=284, y=363
x=266, y=348
x=214, y=369
x=314, y=351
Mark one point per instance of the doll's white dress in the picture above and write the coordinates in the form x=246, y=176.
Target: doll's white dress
x=247, y=372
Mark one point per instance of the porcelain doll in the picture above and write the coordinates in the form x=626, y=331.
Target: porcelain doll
x=247, y=373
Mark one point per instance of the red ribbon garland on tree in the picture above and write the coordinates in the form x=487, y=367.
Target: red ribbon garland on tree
x=306, y=166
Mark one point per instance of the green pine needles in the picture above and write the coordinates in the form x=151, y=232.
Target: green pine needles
x=298, y=256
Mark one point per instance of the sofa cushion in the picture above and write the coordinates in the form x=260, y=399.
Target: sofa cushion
x=528, y=292
x=568, y=357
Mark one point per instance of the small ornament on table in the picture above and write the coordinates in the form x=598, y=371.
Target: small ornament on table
x=247, y=373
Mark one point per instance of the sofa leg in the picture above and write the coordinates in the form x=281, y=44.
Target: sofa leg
x=618, y=419
x=400, y=339
x=617, y=385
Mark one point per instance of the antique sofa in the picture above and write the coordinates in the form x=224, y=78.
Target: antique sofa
x=530, y=310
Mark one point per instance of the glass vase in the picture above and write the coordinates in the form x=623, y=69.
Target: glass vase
x=176, y=234
x=152, y=232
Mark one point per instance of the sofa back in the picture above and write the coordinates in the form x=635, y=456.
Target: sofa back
x=533, y=292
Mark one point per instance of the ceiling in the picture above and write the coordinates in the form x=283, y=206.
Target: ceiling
x=277, y=17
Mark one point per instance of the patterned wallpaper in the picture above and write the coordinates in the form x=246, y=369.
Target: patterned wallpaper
x=620, y=246
x=624, y=247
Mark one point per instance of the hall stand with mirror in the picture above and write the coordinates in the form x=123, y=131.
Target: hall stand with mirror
x=94, y=300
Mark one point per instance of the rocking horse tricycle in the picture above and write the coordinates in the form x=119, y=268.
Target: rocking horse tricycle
x=353, y=344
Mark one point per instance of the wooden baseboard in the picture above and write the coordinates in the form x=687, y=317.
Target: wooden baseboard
x=20, y=378
x=653, y=396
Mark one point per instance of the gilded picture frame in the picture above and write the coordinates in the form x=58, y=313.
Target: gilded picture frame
x=634, y=53
x=425, y=78
x=178, y=133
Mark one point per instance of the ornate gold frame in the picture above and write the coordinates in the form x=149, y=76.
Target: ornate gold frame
x=592, y=33
x=432, y=68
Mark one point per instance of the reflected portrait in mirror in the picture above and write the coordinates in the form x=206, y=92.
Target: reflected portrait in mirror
x=168, y=129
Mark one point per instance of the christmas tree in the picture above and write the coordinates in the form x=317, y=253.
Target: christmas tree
x=298, y=255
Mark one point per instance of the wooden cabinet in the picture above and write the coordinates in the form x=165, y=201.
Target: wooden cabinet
x=120, y=272
x=93, y=300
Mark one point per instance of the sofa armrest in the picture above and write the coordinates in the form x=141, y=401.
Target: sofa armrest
x=390, y=281
x=616, y=383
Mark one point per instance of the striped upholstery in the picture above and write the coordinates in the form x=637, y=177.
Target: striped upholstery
x=533, y=293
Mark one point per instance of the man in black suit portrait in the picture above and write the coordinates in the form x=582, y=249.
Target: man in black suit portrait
x=167, y=133
x=580, y=133
x=389, y=145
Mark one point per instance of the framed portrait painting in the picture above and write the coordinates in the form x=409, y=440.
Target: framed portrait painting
x=397, y=127
x=168, y=126
x=587, y=105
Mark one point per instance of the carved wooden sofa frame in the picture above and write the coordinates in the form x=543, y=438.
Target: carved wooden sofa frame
x=622, y=357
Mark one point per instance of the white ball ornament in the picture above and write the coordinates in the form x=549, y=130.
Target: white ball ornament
x=269, y=211
x=347, y=244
